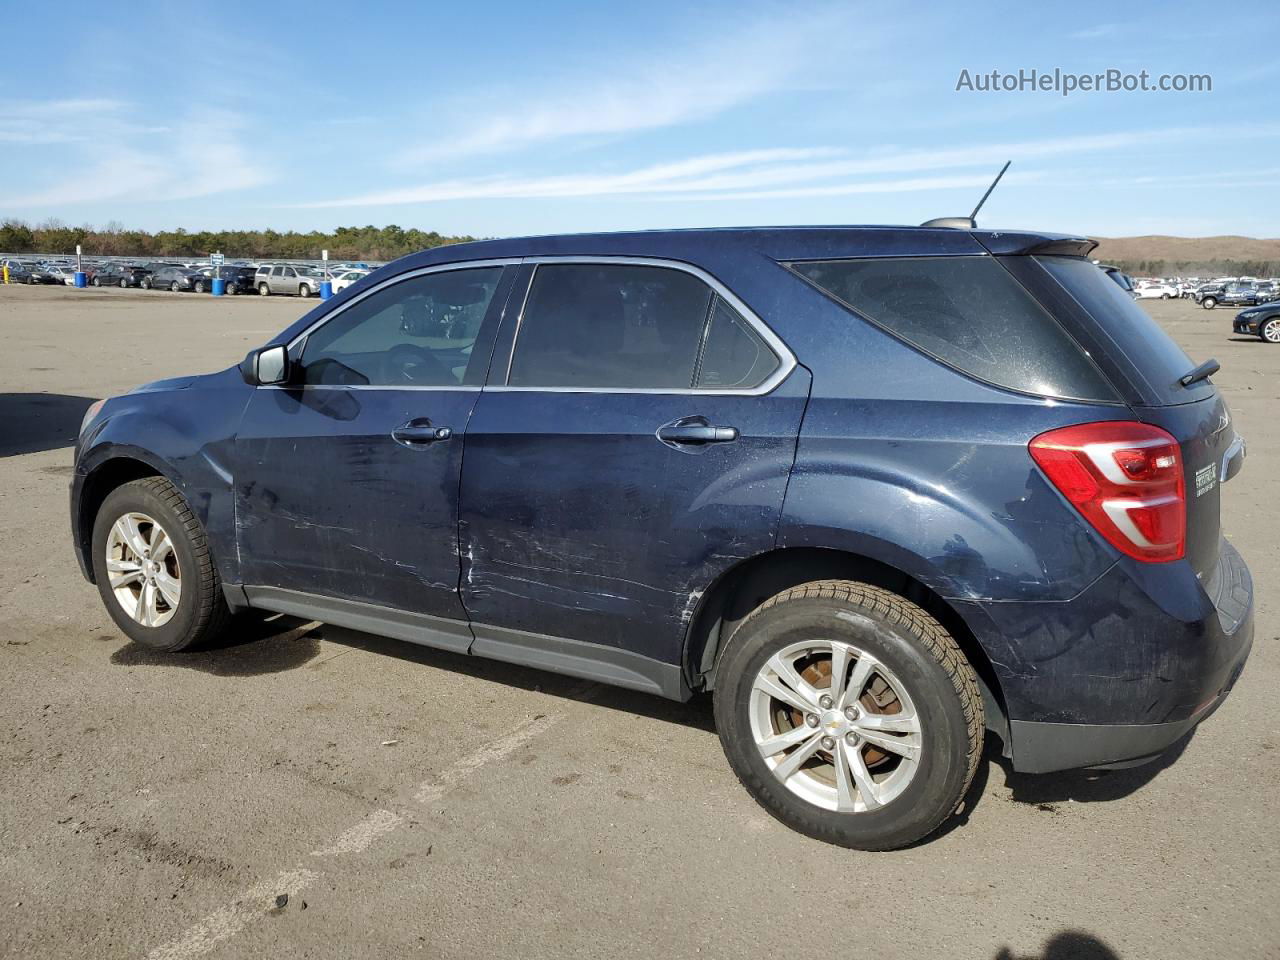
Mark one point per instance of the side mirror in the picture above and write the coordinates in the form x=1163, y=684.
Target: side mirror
x=267, y=366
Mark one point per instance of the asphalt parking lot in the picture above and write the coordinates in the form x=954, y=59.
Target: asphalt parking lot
x=309, y=792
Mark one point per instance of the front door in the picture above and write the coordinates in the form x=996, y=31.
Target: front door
x=636, y=445
x=347, y=478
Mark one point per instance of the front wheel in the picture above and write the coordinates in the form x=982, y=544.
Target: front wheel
x=1270, y=331
x=264, y=290
x=153, y=568
x=145, y=283
x=176, y=287
x=304, y=291
x=199, y=286
x=123, y=283
x=849, y=714
x=1208, y=303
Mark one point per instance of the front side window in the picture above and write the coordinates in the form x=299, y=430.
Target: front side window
x=418, y=332
x=627, y=327
x=969, y=313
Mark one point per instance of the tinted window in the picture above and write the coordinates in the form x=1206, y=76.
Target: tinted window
x=1139, y=338
x=612, y=326
x=734, y=357
x=419, y=332
x=969, y=313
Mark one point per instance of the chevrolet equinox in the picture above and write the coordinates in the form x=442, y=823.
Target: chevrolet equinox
x=878, y=490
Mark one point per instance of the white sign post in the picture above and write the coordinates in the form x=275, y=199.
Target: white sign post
x=324, y=255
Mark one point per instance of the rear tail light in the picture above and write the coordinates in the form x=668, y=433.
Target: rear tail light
x=1125, y=478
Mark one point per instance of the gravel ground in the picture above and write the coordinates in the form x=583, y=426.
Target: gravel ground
x=310, y=792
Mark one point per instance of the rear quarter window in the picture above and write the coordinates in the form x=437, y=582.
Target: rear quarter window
x=1131, y=330
x=968, y=313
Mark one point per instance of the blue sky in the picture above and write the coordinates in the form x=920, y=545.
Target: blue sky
x=502, y=118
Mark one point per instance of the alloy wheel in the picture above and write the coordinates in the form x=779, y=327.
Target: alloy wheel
x=1271, y=330
x=142, y=567
x=835, y=726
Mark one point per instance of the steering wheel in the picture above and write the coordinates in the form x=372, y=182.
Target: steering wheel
x=409, y=363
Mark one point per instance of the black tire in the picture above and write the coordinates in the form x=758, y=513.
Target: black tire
x=201, y=613
x=198, y=287
x=1208, y=303
x=1164, y=296
x=175, y=287
x=124, y=283
x=264, y=290
x=1269, y=330
x=304, y=291
x=145, y=283
x=231, y=289
x=97, y=282
x=909, y=642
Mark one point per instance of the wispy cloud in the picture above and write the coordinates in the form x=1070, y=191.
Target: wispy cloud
x=125, y=160
x=661, y=87
x=1096, y=33
x=789, y=172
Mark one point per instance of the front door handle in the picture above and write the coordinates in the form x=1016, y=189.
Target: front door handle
x=695, y=432
x=420, y=433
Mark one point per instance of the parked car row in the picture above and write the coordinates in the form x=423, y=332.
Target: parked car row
x=265, y=279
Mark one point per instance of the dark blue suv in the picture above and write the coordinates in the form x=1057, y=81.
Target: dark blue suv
x=878, y=489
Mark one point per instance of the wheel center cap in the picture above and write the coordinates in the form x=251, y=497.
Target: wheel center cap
x=833, y=723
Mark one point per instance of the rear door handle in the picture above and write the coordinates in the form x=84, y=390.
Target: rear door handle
x=695, y=432
x=420, y=433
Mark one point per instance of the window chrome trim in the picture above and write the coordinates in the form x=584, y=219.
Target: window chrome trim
x=786, y=359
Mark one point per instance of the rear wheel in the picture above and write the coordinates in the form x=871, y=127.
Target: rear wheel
x=1208, y=303
x=231, y=289
x=849, y=714
x=1270, y=331
x=153, y=567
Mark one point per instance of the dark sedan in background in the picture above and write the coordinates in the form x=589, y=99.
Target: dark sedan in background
x=1260, y=321
x=238, y=279
x=177, y=279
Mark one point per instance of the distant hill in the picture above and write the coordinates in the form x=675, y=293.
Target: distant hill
x=1192, y=256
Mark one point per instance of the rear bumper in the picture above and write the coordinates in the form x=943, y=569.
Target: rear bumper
x=1049, y=747
x=1122, y=671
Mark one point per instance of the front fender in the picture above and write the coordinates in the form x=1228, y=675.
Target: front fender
x=186, y=435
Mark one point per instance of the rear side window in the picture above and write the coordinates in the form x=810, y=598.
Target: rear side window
x=969, y=313
x=633, y=327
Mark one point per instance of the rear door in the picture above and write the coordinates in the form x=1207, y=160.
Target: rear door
x=634, y=442
x=347, y=478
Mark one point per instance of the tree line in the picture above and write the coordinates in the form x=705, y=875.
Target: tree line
x=1200, y=268
x=114, y=240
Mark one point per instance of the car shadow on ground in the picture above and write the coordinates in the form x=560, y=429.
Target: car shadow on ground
x=1088, y=786
x=1065, y=945
x=695, y=713
x=253, y=646
x=31, y=422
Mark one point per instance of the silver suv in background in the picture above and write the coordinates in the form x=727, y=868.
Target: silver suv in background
x=282, y=278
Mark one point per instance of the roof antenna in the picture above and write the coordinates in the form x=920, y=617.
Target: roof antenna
x=971, y=221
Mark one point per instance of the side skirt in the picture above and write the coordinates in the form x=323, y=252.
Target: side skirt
x=575, y=658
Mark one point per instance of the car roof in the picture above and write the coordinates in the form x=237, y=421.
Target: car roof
x=779, y=243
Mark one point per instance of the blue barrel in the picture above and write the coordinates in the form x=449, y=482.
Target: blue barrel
x=326, y=289
x=82, y=279
x=219, y=286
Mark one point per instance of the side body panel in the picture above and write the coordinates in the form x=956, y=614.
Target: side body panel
x=578, y=522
